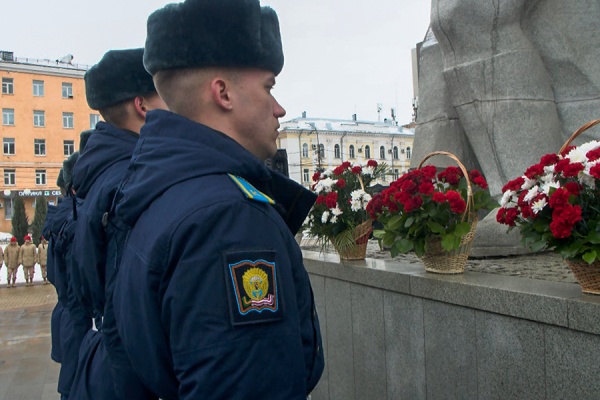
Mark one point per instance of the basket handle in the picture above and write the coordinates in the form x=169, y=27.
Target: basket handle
x=579, y=132
x=470, y=201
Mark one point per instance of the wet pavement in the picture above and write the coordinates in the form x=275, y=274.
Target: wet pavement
x=26, y=370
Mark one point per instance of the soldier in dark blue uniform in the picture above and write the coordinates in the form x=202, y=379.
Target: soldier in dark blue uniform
x=212, y=299
x=74, y=322
x=121, y=89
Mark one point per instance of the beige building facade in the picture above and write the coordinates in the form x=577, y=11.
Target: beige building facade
x=317, y=143
x=44, y=109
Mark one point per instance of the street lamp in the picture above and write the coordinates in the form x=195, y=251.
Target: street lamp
x=314, y=129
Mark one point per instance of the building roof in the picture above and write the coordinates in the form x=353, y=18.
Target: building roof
x=339, y=125
x=63, y=66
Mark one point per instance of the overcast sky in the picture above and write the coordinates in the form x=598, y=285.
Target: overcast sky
x=341, y=56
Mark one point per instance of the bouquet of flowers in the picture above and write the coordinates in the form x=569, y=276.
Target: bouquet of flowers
x=424, y=205
x=343, y=194
x=556, y=203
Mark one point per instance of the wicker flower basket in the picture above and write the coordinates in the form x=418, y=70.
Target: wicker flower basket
x=361, y=237
x=438, y=260
x=588, y=275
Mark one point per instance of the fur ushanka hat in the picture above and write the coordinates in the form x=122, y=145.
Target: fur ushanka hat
x=213, y=33
x=119, y=76
x=67, y=169
x=83, y=139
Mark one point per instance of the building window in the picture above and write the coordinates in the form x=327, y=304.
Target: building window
x=10, y=177
x=304, y=150
x=8, y=207
x=396, y=174
x=40, y=176
x=321, y=151
x=395, y=152
x=8, y=116
x=367, y=151
x=382, y=152
x=94, y=119
x=68, y=120
x=69, y=147
x=39, y=147
x=408, y=153
x=336, y=151
x=351, y=151
x=8, y=146
x=39, y=118
x=67, y=90
x=8, y=86
x=38, y=88
x=305, y=177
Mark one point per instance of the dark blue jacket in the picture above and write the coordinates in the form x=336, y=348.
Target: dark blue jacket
x=191, y=330
x=55, y=352
x=75, y=321
x=96, y=176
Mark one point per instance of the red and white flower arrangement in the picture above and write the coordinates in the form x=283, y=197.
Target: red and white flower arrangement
x=423, y=205
x=343, y=194
x=556, y=203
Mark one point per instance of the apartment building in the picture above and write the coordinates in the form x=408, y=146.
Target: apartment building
x=44, y=109
x=320, y=143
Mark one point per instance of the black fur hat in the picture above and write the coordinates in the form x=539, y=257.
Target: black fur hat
x=83, y=138
x=67, y=168
x=60, y=181
x=119, y=76
x=213, y=33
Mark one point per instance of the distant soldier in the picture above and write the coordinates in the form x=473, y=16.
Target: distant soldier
x=42, y=257
x=11, y=257
x=27, y=257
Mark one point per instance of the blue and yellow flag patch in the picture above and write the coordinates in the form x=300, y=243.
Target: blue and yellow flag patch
x=250, y=191
x=253, y=287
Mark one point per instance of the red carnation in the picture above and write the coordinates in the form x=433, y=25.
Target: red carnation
x=549, y=159
x=564, y=220
x=409, y=187
x=372, y=163
x=339, y=170
x=340, y=183
x=559, y=199
x=595, y=171
x=429, y=171
x=481, y=182
x=507, y=216
x=593, y=155
x=534, y=170
x=356, y=169
x=457, y=204
x=451, y=175
x=346, y=164
x=426, y=188
x=439, y=197
x=573, y=187
x=316, y=176
x=562, y=164
x=572, y=170
x=375, y=206
x=331, y=200
x=320, y=199
x=514, y=185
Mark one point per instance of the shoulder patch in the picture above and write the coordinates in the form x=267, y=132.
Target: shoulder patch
x=250, y=191
x=253, y=288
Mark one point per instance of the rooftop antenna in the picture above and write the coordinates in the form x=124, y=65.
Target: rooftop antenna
x=379, y=108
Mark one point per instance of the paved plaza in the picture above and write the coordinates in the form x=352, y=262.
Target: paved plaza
x=26, y=370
